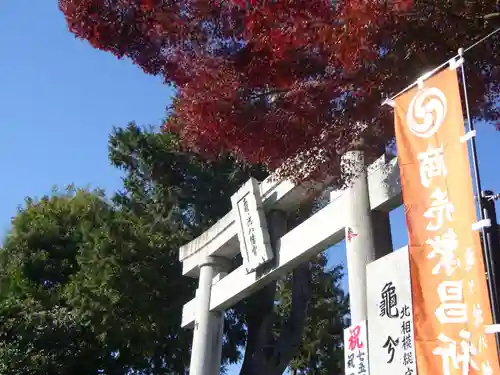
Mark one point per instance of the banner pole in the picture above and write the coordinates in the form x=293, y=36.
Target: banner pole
x=477, y=179
x=493, y=238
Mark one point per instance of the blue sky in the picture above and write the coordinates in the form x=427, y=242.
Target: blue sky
x=60, y=98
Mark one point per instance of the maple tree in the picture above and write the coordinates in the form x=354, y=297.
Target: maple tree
x=269, y=80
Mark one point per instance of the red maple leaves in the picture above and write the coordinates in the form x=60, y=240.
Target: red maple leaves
x=244, y=3
x=269, y=80
x=148, y=5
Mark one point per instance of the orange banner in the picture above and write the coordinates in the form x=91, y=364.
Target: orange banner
x=450, y=296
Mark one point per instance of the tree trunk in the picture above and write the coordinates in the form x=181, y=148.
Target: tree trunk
x=264, y=355
x=259, y=329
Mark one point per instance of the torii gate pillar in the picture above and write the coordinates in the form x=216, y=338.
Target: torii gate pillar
x=209, y=325
x=360, y=242
x=207, y=334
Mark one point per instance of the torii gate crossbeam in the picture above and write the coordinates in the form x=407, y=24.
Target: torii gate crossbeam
x=299, y=244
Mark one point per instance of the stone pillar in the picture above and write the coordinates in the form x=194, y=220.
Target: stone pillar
x=277, y=224
x=207, y=323
x=382, y=233
x=217, y=331
x=359, y=233
x=217, y=326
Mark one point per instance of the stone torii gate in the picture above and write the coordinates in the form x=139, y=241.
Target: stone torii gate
x=360, y=212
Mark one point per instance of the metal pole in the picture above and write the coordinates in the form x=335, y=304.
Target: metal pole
x=477, y=179
x=493, y=240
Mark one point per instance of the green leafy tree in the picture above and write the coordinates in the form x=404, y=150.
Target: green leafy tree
x=111, y=269
x=94, y=286
x=41, y=332
x=91, y=288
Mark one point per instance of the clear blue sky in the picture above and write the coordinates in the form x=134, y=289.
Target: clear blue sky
x=60, y=98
